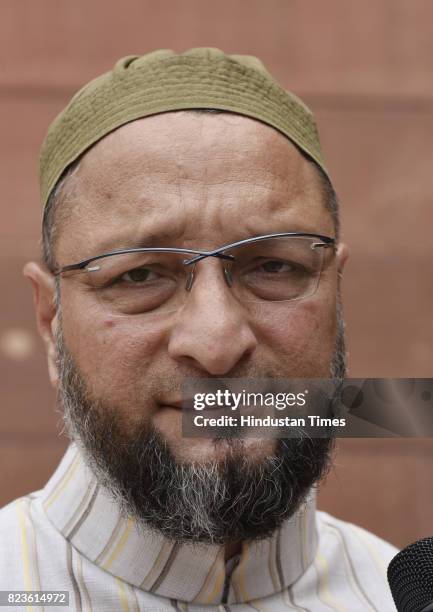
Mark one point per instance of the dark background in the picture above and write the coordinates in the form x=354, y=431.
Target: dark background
x=366, y=70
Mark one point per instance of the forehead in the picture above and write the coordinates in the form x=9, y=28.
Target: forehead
x=185, y=177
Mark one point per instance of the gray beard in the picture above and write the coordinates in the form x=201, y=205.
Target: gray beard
x=214, y=502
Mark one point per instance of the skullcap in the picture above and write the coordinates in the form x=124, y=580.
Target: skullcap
x=161, y=81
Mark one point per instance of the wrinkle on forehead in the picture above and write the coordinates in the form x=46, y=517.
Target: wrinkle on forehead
x=196, y=173
x=191, y=147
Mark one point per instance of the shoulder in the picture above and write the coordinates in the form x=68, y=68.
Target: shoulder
x=358, y=554
x=16, y=539
x=346, y=569
x=357, y=542
x=357, y=559
x=15, y=518
x=13, y=514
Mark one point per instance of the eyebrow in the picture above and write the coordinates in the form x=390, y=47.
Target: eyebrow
x=167, y=237
x=153, y=239
x=157, y=239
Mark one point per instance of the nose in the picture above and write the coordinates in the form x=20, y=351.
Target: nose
x=212, y=331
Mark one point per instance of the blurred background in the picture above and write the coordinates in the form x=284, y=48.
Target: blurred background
x=366, y=70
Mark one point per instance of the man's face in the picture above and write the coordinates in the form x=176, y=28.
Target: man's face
x=199, y=181
x=194, y=181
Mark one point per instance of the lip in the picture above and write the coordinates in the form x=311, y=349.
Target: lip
x=178, y=404
x=188, y=403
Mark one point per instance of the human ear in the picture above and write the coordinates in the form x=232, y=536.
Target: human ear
x=342, y=256
x=44, y=297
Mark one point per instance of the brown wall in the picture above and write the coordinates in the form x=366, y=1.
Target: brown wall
x=366, y=69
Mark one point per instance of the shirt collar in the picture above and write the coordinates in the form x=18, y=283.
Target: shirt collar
x=89, y=517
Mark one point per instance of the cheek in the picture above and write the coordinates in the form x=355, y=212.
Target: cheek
x=113, y=354
x=302, y=335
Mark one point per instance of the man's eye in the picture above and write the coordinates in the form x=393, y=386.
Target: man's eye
x=139, y=275
x=277, y=267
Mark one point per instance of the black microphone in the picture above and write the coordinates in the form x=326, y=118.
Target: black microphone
x=410, y=577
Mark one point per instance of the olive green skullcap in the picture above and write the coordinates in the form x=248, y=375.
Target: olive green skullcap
x=139, y=86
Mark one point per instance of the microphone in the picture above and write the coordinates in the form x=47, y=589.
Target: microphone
x=410, y=577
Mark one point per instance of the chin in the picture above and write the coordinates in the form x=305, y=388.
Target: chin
x=168, y=423
x=207, y=450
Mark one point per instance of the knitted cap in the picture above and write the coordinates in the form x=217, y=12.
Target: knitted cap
x=139, y=86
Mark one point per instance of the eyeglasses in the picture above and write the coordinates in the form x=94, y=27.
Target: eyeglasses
x=142, y=281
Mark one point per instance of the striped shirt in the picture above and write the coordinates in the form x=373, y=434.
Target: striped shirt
x=70, y=536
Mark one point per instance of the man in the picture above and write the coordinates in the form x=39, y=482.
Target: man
x=155, y=179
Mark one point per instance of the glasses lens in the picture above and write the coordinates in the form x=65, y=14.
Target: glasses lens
x=276, y=269
x=138, y=283
x=154, y=283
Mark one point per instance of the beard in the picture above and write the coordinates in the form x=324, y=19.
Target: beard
x=213, y=502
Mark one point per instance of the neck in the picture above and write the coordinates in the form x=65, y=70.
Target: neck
x=88, y=516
